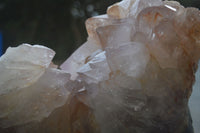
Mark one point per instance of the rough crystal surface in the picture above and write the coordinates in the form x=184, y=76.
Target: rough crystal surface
x=79, y=57
x=30, y=89
x=133, y=75
x=19, y=71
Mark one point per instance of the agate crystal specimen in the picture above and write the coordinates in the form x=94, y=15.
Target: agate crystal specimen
x=133, y=75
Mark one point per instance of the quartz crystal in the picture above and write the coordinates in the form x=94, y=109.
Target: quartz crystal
x=30, y=89
x=133, y=75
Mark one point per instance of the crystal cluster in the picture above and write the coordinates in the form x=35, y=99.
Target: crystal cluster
x=133, y=75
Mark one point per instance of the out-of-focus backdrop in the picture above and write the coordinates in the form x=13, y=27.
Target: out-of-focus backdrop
x=58, y=24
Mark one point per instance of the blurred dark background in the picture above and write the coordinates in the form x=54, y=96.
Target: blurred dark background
x=58, y=24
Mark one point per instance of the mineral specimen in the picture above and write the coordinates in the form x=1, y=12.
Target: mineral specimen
x=30, y=89
x=133, y=75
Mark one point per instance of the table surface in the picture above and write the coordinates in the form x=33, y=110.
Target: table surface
x=194, y=103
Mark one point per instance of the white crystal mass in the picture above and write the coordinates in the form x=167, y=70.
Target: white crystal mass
x=30, y=89
x=133, y=75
